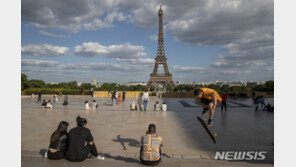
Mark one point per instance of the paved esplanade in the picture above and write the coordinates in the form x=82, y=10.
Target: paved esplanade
x=117, y=131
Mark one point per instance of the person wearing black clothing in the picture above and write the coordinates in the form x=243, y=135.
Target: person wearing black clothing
x=39, y=97
x=58, y=142
x=81, y=142
x=123, y=96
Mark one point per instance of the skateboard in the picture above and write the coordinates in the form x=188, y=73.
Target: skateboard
x=210, y=133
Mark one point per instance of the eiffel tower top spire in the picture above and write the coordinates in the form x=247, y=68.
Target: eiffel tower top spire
x=160, y=48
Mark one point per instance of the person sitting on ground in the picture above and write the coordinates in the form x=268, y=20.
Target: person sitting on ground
x=43, y=104
x=150, y=147
x=58, y=142
x=48, y=104
x=269, y=108
x=164, y=106
x=156, y=106
x=259, y=100
x=94, y=105
x=133, y=105
x=81, y=143
x=86, y=105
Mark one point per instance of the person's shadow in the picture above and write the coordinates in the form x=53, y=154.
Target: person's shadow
x=131, y=142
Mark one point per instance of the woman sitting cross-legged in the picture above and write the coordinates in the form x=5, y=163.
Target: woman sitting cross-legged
x=81, y=142
x=58, y=142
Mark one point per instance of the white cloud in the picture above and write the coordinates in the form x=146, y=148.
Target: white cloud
x=44, y=50
x=106, y=22
x=123, y=51
x=188, y=69
x=153, y=37
x=97, y=67
x=138, y=61
x=40, y=63
x=51, y=34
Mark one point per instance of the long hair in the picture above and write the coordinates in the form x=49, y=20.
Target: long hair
x=81, y=121
x=62, y=129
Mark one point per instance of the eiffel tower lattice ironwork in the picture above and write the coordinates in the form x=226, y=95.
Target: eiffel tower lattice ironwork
x=160, y=59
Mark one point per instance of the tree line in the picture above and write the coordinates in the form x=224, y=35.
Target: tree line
x=31, y=86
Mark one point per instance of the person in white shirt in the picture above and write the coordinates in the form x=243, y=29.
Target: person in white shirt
x=48, y=104
x=164, y=107
x=133, y=106
x=156, y=106
x=145, y=99
x=86, y=105
x=94, y=105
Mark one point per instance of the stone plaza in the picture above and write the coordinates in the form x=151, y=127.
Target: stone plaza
x=117, y=131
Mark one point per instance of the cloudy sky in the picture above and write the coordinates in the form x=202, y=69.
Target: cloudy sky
x=116, y=40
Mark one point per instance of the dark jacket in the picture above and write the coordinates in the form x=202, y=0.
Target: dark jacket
x=61, y=146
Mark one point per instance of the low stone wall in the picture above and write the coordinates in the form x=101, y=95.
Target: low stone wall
x=128, y=94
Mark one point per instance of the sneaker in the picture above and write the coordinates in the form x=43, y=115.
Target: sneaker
x=205, y=110
x=210, y=123
x=45, y=155
x=100, y=157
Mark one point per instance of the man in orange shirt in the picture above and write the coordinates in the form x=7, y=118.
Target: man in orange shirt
x=208, y=98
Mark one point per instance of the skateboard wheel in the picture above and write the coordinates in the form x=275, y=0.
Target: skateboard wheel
x=215, y=134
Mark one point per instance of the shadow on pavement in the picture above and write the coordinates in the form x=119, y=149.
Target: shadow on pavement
x=131, y=142
x=121, y=158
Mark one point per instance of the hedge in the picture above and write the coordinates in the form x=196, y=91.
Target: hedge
x=55, y=90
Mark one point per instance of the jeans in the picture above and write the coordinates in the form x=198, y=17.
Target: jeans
x=223, y=105
x=145, y=102
x=39, y=99
x=114, y=101
x=53, y=102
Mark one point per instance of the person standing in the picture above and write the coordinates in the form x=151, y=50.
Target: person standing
x=39, y=96
x=145, y=99
x=92, y=92
x=150, y=153
x=114, y=98
x=140, y=101
x=123, y=96
x=54, y=100
x=253, y=95
x=224, y=98
x=66, y=100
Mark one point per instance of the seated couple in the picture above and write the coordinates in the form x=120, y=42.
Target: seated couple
x=76, y=146
x=92, y=106
x=45, y=104
x=157, y=106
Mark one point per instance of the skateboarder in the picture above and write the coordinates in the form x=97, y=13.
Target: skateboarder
x=208, y=98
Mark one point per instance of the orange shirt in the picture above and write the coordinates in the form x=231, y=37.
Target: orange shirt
x=207, y=94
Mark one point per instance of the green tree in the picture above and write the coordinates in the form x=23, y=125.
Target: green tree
x=36, y=83
x=24, y=82
x=86, y=86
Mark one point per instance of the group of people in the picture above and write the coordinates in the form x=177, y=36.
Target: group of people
x=160, y=107
x=260, y=101
x=78, y=144
x=92, y=106
x=51, y=103
x=117, y=98
x=142, y=101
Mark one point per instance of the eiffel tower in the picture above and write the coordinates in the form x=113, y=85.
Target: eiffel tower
x=160, y=59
